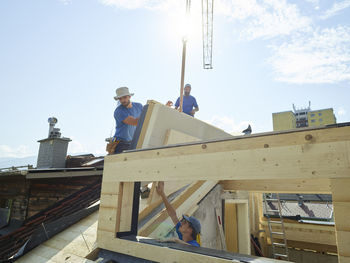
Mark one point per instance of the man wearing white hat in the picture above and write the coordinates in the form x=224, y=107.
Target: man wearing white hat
x=126, y=116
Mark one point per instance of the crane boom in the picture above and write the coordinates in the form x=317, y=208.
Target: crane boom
x=207, y=31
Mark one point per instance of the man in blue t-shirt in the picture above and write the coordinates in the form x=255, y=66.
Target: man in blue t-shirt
x=190, y=105
x=126, y=116
x=187, y=228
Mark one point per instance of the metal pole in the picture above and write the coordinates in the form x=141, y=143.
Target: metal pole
x=184, y=42
x=182, y=74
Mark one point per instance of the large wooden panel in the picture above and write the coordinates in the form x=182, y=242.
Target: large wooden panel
x=220, y=160
x=164, y=118
x=231, y=231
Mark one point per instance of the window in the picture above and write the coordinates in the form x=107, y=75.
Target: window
x=320, y=114
x=312, y=114
x=312, y=120
x=320, y=120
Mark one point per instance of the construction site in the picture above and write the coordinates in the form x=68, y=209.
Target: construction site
x=259, y=197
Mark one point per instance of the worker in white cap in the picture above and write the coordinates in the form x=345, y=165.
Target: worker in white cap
x=126, y=116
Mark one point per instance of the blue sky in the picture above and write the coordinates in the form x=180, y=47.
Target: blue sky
x=66, y=58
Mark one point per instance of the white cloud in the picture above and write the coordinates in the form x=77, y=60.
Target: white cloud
x=322, y=57
x=264, y=18
x=66, y=2
x=229, y=125
x=147, y=4
x=341, y=111
x=336, y=8
x=258, y=18
x=15, y=152
x=76, y=147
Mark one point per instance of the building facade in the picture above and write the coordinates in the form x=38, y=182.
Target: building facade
x=300, y=118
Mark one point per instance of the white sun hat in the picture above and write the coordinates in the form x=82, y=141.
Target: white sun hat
x=121, y=92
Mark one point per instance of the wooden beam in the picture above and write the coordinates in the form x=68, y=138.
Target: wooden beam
x=305, y=186
x=311, y=154
x=125, y=207
x=341, y=204
x=322, y=248
x=243, y=233
x=317, y=234
x=231, y=231
x=163, y=254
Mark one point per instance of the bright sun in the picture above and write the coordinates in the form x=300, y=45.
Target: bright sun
x=179, y=25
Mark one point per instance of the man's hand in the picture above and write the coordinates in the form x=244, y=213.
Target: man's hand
x=193, y=112
x=169, y=208
x=160, y=188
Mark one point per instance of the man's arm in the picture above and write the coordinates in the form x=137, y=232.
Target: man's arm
x=177, y=103
x=130, y=120
x=195, y=105
x=169, y=208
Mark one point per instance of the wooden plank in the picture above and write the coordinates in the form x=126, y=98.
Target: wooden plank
x=231, y=227
x=110, y=187
x=221, y=160
x=343, y=243
x=145, y=124
x=107, y=219
x=126, y=207
x=342, y=213
x=310, y=246
x=340, y=189
x=243, y=229
x=109, y=200
x=312, y=186
x=317, y=234
x=343, y=259
x=341, y=203
x=163, y=254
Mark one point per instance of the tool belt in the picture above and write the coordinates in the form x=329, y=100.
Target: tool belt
x=111, y=146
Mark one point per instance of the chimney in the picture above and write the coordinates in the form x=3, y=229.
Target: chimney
x=53, y=150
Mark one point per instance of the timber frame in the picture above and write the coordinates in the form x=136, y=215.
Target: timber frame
x=311, y=160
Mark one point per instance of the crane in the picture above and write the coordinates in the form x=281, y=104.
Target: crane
x=207, y=33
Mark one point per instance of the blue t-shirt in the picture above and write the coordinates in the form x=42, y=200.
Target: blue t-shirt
x=124, y=131
x=188, y=104
x=192, y=242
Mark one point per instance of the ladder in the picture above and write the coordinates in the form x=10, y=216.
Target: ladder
x=279, y=250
